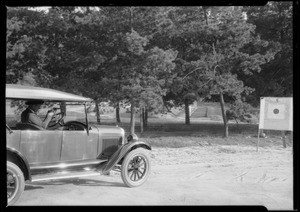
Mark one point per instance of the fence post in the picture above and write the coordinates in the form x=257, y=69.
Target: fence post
x=258, y=140
x=283, y=139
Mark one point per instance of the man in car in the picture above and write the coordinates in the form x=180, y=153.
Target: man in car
x=29, y=115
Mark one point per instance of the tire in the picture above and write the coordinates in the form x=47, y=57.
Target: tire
x=15, y=182
x=136, y=167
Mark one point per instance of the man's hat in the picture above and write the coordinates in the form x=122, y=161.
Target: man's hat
x=34, y=102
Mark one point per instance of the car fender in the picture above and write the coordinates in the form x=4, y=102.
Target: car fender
x=121, y=152
x=21, y=160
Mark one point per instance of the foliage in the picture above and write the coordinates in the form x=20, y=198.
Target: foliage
x=214, y=51
x=238, y=109
x=25, y=51
x=274, y=23
x=154, y=56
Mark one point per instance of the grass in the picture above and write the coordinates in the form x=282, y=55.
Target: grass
x=174, y=133
x=226, y=150
x=171, y=141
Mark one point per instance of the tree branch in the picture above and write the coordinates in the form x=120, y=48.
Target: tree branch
x=191, y=72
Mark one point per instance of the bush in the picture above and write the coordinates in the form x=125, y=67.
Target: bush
x=216, y=118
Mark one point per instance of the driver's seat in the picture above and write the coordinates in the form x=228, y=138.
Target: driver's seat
x=28, y=126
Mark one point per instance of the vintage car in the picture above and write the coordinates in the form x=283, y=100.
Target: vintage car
x=76, y=149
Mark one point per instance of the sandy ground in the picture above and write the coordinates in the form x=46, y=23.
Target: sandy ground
x=199, y=175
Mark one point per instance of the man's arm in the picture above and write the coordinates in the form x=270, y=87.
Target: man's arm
x=33, y=118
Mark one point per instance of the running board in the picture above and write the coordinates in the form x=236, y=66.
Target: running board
x=62, y=165
x=64, y=175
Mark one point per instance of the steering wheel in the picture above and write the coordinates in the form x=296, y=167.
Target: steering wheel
x=57, y=118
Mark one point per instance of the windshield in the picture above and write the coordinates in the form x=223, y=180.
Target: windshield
x=74, y=112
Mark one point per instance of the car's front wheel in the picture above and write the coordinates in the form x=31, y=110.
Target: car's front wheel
x=15, y=182
x=135, y=168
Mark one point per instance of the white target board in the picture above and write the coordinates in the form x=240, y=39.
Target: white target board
x=276, y=113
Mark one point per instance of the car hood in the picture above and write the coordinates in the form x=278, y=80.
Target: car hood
x=108, y=129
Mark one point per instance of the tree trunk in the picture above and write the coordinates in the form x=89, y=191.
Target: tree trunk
x=145, y=115
x=118, y=120
x=237, y=124
x=131, y=18
x=187, y=112
x=224, y=115
x=88, y=10
x=97, y=111
x=142, y=119
x=205, y=15
x=132, y=119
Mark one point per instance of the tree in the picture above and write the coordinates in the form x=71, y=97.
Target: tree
x=25, y=50
x=221, y=50
x=232, y=39
x=177, y=31
x=141, y=54
x=137, y=69
x=146, y=73
x=274, y=23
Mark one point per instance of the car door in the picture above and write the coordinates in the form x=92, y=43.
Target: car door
x=92, y=144
x=73, y=145
x=80, y=145
x=41, y=146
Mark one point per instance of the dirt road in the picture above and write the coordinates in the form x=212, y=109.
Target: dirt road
x=201, y=175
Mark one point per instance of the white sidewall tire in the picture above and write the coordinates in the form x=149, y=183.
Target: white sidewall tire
x=124, y=174
x=20, y=182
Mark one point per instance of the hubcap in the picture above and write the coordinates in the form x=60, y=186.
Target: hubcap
x=12, y=185
x=137, y=168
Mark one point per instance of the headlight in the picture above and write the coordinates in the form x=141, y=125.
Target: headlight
x=132, y=138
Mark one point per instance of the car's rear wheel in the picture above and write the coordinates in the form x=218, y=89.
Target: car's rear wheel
x=15, y=182
x=136, y=168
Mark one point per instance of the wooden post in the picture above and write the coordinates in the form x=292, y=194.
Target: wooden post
x=258, y=140
x=283, y=139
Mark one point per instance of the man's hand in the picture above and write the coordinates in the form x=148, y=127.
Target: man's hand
x=50, y=113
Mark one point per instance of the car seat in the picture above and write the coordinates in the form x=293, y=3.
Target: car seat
x=28, y=126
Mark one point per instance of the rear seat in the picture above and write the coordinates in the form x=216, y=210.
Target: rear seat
x=28, y=126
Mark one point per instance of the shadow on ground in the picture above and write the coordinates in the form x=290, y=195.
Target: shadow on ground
x=74, y=181
x=32, y=187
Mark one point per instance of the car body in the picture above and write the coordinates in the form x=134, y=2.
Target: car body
x=78, y=149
